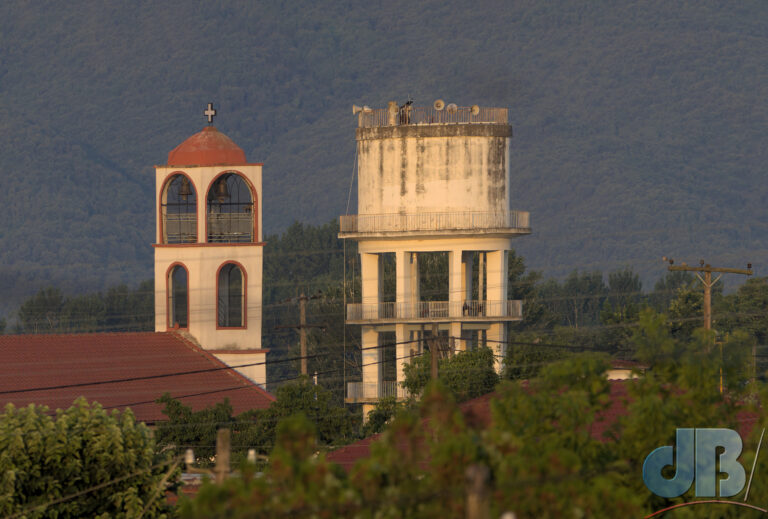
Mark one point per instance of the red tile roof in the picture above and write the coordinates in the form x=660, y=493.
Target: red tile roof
x=47, y=361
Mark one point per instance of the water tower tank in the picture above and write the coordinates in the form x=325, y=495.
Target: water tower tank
x=433, y=161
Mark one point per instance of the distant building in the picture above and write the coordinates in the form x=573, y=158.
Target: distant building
x=208, y=269
x=431, y=181
x=209, y=250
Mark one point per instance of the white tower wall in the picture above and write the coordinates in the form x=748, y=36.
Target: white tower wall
x=426, y=187
x=444, y=168
x=202, y=260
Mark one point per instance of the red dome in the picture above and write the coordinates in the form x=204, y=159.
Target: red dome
x=209, y=147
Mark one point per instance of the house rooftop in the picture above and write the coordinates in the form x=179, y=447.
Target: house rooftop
x=120, y=370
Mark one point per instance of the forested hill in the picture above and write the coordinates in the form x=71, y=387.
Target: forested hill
x=639, y=127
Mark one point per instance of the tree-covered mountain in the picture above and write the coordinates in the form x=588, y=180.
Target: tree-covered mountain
x=639, y=127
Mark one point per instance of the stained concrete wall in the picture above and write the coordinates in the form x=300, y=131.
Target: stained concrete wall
x=433, y=168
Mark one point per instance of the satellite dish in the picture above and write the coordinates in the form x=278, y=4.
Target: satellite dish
x=452, y=108
x=356, y=109
x=475, y=109
x=439, y=104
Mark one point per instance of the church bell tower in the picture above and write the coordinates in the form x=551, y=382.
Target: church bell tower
x=209, y=249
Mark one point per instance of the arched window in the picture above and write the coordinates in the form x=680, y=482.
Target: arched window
x=231, y=297
x=230, y=210
x=179, y=211
x=178, y=297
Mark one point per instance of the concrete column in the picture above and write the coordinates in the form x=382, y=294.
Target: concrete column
x=402, y=336
x=497, y=296
x=369, y=273
x=455, y=282
x=481, y=294
x=466, y=268
x=404, y=282
x=202, y=214
x=161, y=297
x=415, y=289
x=496, y=336
x=496, y=280
x=371, y=362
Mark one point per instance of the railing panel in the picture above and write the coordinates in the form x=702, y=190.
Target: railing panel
x=433, y=310
x=180, y=228
x=357, y=391
x=230, y=227
x=393, y=222
x=413, y=115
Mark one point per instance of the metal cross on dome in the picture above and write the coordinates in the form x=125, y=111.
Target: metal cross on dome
x=209, y=113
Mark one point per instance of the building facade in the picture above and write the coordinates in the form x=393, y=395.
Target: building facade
x=433, y=196
x=209, y=250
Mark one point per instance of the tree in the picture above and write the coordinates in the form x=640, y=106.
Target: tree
x=121, y=309
x=297, y=482
x=335, y=425
x=666, y=288
x=2, y=325
x=578, y=300
x=467, y=374
x=747, y=310
x=380, y=416
x=525, y=358
x=545, y=450
x=51, y=464
x=255, y=429
x=42, y=312
x=186, y=428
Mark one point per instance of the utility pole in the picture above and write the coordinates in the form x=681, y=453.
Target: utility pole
x=477, y=491
x=707, y=270
x=302, y=327
x=222, y=455
x=303, y=331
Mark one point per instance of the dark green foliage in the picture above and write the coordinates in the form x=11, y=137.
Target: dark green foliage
x=466, y=374
x=121, y=309
x=627, y=142
x=524, y=361
x=578, y=300
x=541, y=447
x=381, y=415
x=665, y=290
x=335, y=425
x=433, y=276
x=255, y=429
x=2, y=325
x=297, y=483
x=42, y=312
x=48, y=456
x=309, y=259
x=196, y=430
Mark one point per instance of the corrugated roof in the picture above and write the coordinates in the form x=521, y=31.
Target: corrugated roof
x=45, y=361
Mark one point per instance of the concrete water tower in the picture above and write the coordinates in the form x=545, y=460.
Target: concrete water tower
x=433, y=188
